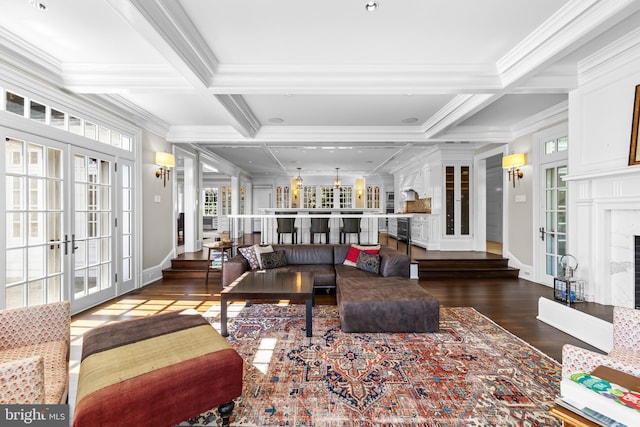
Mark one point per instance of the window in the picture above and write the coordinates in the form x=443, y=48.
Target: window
x=556, y=145
x=42, y=113
x=309, y=197
x=373, y=197
x=15, y=104
x=326, y=200
x=346, y=197
x=282, y=197
x=210, y=201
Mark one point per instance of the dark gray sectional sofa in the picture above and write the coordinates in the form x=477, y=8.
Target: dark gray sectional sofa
x=367, y=302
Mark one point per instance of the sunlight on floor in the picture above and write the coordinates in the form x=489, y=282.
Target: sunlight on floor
x=264, y=354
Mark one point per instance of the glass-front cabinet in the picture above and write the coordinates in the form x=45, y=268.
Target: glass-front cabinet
x=457, y=200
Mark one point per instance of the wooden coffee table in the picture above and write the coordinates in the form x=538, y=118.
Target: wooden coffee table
x=269, y=285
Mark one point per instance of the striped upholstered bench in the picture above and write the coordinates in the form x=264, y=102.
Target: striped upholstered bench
x=155, y=371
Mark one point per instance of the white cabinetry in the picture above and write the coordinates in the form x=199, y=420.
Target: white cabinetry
x=420, y=226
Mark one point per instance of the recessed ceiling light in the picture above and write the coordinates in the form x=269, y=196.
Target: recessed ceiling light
x=371, y=6
x=38, y=5
x=276, y=120
x=410, y=120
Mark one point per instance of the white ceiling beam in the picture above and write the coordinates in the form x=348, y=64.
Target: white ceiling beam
x=248, y=124
x=366, y=79
x=168, y=28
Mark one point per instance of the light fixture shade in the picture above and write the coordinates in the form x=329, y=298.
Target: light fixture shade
x=166, y=160
x=299, y=180
x=514, y=160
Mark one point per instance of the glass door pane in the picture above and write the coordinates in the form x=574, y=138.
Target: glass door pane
x=92, y=230
x=555, y=217
x=34, y=221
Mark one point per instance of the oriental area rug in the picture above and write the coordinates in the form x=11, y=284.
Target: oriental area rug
x=470, y=373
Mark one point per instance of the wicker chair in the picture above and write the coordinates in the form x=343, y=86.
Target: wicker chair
x=624, y=356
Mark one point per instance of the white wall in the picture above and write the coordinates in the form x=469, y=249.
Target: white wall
x=157, y=209
x=603, y=189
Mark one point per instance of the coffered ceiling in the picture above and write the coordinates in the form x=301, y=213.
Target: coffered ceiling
x=269, y=86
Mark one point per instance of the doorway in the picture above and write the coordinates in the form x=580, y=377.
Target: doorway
x=494, y=204
x=61, y=239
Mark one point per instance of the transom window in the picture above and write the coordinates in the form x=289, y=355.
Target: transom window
x=42, y=113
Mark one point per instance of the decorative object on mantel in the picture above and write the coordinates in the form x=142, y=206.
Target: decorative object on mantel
x=166, y=161
x=299, y=180
x=634, y=155
x=512, y=162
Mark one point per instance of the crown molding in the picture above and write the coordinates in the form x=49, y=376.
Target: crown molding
x=140, y=116
x=576, y=22
x=611, y=57
x=504, y=134
x=28, y=58
x=123, y=78
x=361, y=79
x=541, y=120
x=248, y=123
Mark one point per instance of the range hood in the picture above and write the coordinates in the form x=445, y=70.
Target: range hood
x=409, y=195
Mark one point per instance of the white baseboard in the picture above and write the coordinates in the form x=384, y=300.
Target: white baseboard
x=150, y=275
x=592, y=330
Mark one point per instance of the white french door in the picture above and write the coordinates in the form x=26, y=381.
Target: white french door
x=552, y=234
x=62, y=239
x=552, y=146
x=92, y=229
x=34, y=235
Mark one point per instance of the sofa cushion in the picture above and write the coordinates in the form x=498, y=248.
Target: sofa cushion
x=260, y=250
x=273, y=259
x=368, y=262
x=249, y=253
x=324, y=276
x=307, y=254
x=393, y=263
x=354, y=251
x=54, y=354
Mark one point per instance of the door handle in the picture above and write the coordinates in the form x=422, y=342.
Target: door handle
x=66, y=244
x=73, y=244
x=542, y=233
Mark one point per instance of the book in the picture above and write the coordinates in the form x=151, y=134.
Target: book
x=590, y=414
x=586, y=391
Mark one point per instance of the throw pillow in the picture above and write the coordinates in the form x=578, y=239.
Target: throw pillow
x=273, y=259
x=354, y=251
x=249, y=253
x=262, y=250
x=368, y=262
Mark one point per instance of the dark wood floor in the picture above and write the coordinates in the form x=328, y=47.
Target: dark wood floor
x=511, y=303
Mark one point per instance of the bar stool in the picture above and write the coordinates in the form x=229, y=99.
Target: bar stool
x=319, y=225
x=287, y=226
x=350, y=226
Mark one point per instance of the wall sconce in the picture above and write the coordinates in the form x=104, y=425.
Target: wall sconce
x=512, y=162
x=295, y=194
x=359, y=193
x=166, y=161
